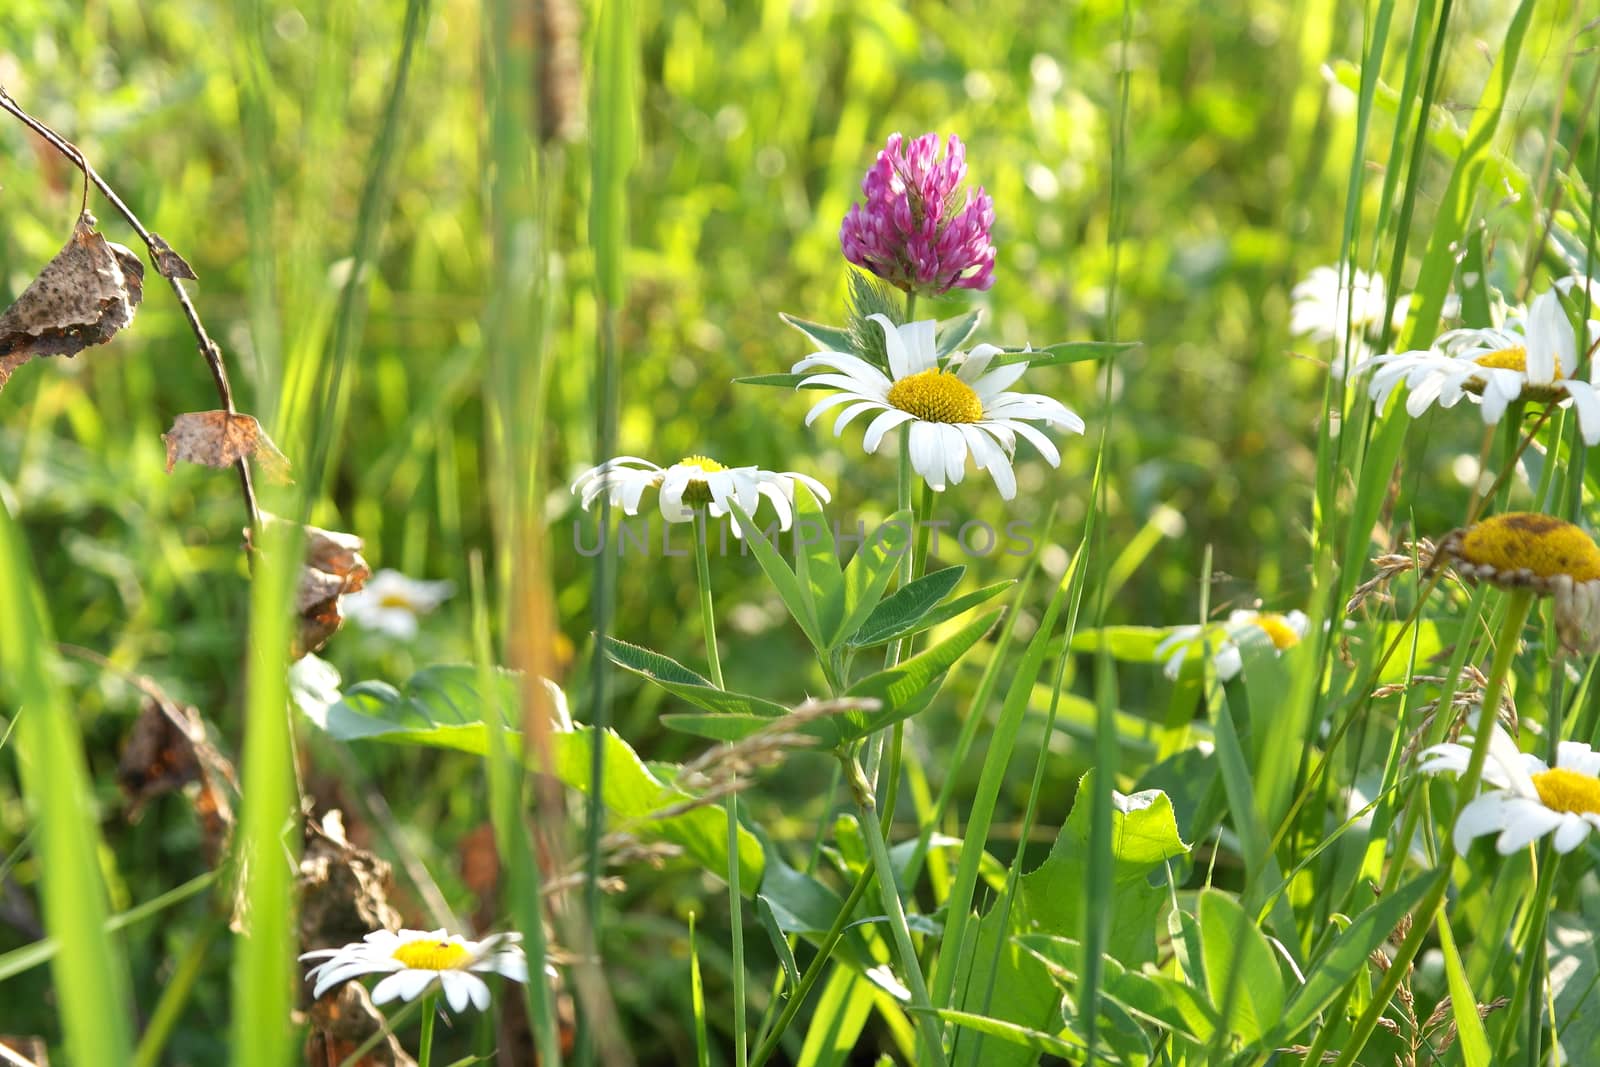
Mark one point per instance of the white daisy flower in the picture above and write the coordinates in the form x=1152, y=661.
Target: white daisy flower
x=413, y=960
x=1530, y=798
x=1325, y=307
x=952, y=410
x=1529, y=358
x=693, y=483
x=391, y=602
x=1284, y=630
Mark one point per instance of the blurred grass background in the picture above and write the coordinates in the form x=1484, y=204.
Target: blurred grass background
x=241, y=133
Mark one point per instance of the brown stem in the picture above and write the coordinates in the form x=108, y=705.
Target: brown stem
x=208, y=347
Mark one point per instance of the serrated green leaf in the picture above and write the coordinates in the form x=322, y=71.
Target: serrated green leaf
x=1066, y=352
x=816, y=564
x=869, y=572
x=953, y=333
x=907, y=688
x=905, y=608
x=679, y=680
x=826, y=338
x=794, y=595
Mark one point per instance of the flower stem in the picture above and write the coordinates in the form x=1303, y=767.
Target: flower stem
x=702, y=568
x=1519, y=602
x=1533, y=961
x=425, y=1046
x=878, y=849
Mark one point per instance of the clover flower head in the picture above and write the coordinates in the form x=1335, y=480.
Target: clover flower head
x=918, y=230
x=1532, y=357
x=960, y=407
x=1530, y=550
x=694, y=483
x=412, y=961
x=1528, y=798
x=1285, y=630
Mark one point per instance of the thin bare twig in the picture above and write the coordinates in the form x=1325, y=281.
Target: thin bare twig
x=208, y=347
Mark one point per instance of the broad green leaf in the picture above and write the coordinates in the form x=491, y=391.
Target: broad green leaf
x=1575, y=984
x=904, y=608
x=953, y=333
x=1172, y=1005
x=941, y=613
x=794, y=594
x=1144, y=836
x=1346, y=958
x=1241, y=971
x=826, y=338
x=633, y=793
x=868, y=574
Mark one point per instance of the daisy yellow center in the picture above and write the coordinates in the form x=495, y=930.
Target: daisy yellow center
x=936, y=396
x=1515, y=358
x=1543, y=544
x=395, y=600
x=1562, y=789
x=1278, y=628
x=433, y=955
x=697, y=494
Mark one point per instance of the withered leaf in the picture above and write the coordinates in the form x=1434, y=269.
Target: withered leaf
x=32, y=1050
x=333, y=568
x=341, y=1022
x=221, y=439
x=168, y=263
x=167, y=750
x=82, y=297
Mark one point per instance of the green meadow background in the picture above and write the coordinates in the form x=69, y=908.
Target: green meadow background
x=247, y=133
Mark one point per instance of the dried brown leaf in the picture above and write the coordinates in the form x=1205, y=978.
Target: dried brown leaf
x=341, y=1022
x=344, y=890
x=168, y=750
x=82, y=297
x=220, y=439
x=333, y=568
x=29, y=1050
x=168, y=263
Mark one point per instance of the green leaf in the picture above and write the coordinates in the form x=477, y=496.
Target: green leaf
x=904, y=689
x=1470, y=1034
x=785, y=380
x=1144, y=835
x=680, y=681
x=1130, y=644
x=1036, y=1040
x=816, y=565
x=633, y=793
x=953, y=333
x=943, y=612
x=780, y=943
x=826, y=338
x=868, y=574
x=904, y=609
x=1063, y=353
x=1346, y=958
x=1241, y=972
x=795, y=596
x=1575, y=984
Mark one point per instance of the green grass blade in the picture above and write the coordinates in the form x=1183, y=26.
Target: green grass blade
x=91, y=977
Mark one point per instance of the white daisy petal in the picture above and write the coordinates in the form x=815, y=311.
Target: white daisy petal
x=1527, y=821
x=457, y=986
x=927, y=457
x=1570, y=834
x=882, y=425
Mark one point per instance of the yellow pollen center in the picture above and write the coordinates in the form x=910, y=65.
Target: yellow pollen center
x=433, y=955
x=1278, y=628
x=1562, y=789
x=1515, y=358
x=936, y=396
x=395, y=600
x=697, y=494
x=1543, y=544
